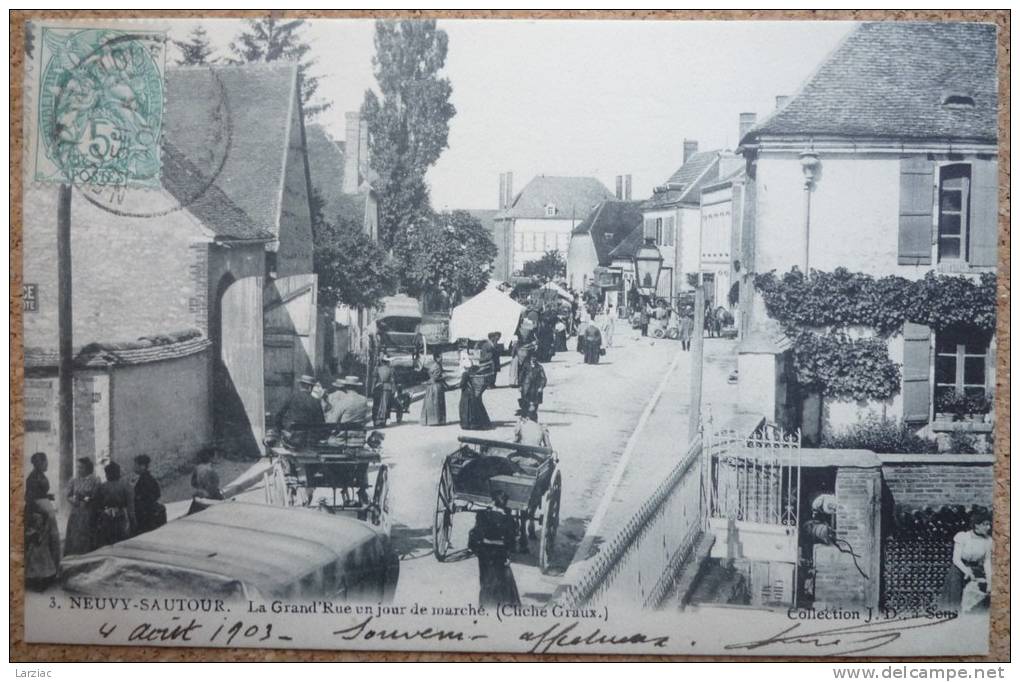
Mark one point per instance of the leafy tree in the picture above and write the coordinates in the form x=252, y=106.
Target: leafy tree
x=196, y=50
x=449, y=252
x=551, y=266
x=269, y=40
x=408, y=121
x=352, y=268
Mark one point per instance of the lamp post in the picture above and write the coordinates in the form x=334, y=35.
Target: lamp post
x=809, y=165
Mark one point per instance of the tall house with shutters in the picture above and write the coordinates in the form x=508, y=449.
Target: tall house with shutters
x=901, y=118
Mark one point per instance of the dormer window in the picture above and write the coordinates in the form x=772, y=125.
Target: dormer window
x=956, y=100
x=550, y=210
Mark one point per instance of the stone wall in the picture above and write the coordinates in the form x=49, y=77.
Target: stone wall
x=918, y=481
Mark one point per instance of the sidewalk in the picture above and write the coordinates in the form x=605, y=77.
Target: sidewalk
x=662, y=438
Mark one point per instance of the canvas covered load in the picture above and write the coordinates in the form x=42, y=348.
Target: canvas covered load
x=237, y=550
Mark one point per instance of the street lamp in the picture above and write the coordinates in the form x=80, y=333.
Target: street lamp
x=647, y=265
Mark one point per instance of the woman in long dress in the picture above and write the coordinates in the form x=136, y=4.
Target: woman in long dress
x=116, y=507
x=83, y=494
x=592, y=345
x=433, y=408
x=473, y=416
x=492, y=540
x=42, y=537
x=967, y=585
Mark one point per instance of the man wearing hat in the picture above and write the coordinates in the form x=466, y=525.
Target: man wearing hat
x=346, y=405
x=301, y=407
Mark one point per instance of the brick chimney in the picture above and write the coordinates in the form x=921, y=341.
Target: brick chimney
x=626, y=187
x=355, y=152
x=690, y=148
x=619, y=187
x=781, y=101
x=508, y=198
x=747, y=120
x=501, y=204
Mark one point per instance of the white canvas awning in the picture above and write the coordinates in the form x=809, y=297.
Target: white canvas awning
x=489, y=311
x=560, y=291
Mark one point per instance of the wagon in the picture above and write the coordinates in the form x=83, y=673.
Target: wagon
x=334, y=467
x=480, y=470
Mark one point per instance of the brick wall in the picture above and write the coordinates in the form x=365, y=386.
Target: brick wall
x=839, y=581
x=918, y=481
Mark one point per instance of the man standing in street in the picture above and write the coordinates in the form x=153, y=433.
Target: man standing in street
x=686, y=330
x=301, y=407
x=346, y=405
x=532, y=386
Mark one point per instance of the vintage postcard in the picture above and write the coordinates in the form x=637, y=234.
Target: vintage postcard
x=713, y=372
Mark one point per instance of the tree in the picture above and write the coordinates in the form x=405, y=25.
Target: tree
x=449, y=252
x=352, y=268
x=408, y=121
x=196, y=50
x=549, y=267
x=269, y=40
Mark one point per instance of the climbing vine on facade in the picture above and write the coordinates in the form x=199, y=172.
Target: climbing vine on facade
x=817, y=310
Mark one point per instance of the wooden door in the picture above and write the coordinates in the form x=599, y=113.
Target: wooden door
x=239, y=390
x=290, y=319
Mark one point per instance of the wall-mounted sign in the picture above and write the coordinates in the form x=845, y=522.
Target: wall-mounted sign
x=29, y=298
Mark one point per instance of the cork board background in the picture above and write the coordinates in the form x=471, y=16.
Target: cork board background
x=21, y=652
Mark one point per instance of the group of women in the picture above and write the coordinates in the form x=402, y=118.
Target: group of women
x=102, y=512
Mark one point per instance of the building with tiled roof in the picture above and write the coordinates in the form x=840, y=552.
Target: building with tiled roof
x=222, y=242
x=541, y=217
x=672, y=215
x=885, y=162
x=592, y=241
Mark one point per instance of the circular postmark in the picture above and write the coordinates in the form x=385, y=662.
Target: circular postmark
x=101, y=120
x=101, y=106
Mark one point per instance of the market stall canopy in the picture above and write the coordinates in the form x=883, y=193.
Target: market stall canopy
x=560, y=291
x=489, y=311
x=400, y=305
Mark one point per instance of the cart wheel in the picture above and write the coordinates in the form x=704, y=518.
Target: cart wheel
x=550, y=523
x=442, y=524
x=380, y=496
x=658, y=333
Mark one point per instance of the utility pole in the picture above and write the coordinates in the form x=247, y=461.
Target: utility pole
x=697, y=359
x=65, y=369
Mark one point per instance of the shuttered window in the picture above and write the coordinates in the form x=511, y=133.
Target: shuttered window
x=984, y=216
x=916, y=373
x=961, y=364
x=916, y=199
x=670, y=231
x=954, y=212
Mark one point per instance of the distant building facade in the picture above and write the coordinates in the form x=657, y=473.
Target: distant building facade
x=541, y=217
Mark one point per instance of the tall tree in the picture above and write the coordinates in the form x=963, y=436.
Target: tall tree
x=450, y=252
x=352, y=268
x=269, y=40
x=196, y=50
x=408, y=120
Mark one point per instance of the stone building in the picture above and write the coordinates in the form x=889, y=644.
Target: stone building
x=884, y=163
x=541, y=217
x=193, y=304
x=588, y=259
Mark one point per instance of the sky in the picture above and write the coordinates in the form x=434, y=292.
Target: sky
x=594, y=98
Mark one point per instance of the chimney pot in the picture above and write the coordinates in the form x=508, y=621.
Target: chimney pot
x=690, y=148
x=747, y=120
x=626, y=187
x=509, y=189
x=502, y=191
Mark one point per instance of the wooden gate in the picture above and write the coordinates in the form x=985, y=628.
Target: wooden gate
x=239, y=408
x=289, y=320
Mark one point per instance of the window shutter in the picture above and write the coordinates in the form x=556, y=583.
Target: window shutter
x=916, y=373
x=669, y=231
x=916, y=199
x=984, y=214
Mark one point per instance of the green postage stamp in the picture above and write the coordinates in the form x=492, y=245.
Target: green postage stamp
x=100, y=107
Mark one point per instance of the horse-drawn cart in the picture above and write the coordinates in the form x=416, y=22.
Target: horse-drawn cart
x=487, y=474
x=341, y=460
